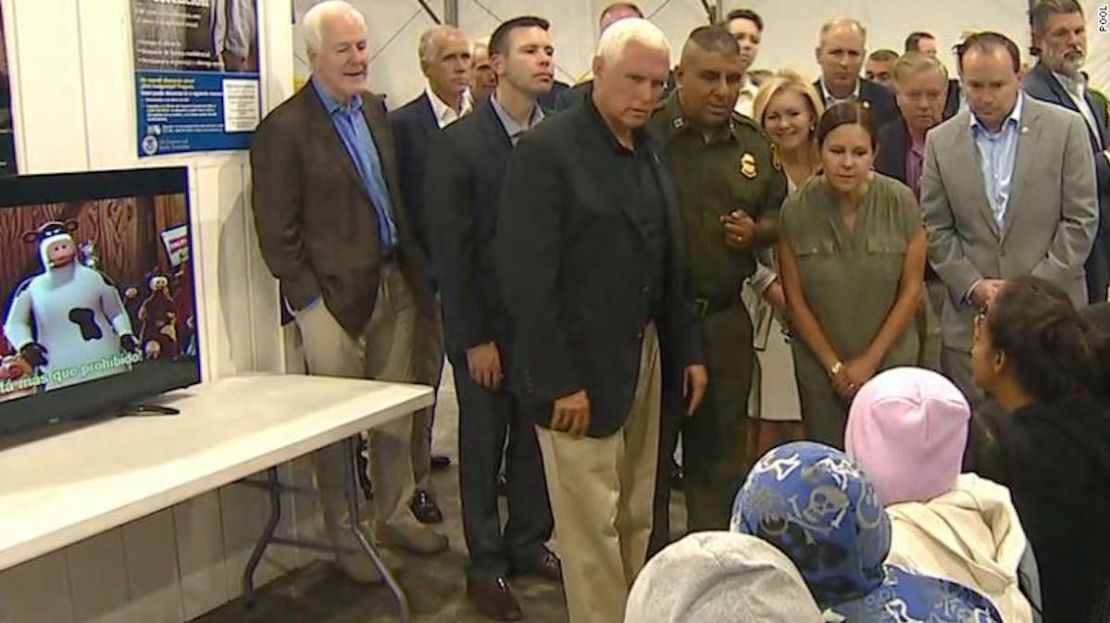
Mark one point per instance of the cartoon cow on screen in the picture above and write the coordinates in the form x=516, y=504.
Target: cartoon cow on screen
x=69, y=315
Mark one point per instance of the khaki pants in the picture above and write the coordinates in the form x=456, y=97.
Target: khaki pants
x=383, y=352
x=428, y=370
x=601, y=498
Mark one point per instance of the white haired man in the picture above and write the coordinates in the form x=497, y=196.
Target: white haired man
x=445, y=59
x=588, y=249
x=356, y=292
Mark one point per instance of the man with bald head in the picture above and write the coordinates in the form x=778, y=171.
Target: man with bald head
x=589, y=253
x=446, y=63
x=356, y=292
x=840, y=53
x=729, y=192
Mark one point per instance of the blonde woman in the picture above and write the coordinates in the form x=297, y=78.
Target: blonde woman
x=788, y=108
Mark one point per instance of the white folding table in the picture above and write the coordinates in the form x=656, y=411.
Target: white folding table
x=59, y=489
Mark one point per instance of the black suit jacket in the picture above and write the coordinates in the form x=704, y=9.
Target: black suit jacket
x=876, y=97
x=574, y=270
x=1041, y=84
x=414, y=127
x=462, y=190
x=952, y=105
x=891, y=159
x=317, y=226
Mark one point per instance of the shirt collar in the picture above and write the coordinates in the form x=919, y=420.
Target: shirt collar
x=330, y=103
x=829, y=97
x=1014, y=120
x=676, y=122
x=444, y=113
x=1071, y=85
x=512, y=128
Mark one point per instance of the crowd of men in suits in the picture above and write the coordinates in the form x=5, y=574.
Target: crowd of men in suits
x=530, y=233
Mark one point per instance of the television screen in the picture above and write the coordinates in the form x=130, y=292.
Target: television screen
x=96, y=283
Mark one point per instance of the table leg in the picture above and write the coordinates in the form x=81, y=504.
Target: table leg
x=274, y=488
x=353, y=494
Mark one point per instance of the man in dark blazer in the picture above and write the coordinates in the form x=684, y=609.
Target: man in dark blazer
x=327, y=210
x=840, y=53
x=445, y=60
x=921, y=92
x=462, y=190
x=1060, y=42
x=590, y=254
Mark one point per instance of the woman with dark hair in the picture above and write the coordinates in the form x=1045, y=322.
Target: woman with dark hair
x=852, y=262
x=1035, y=356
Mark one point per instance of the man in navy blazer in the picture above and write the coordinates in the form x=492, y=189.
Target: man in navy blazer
x=840, y=53
x=1060, y=42
x=462, y=196
x=445, y=55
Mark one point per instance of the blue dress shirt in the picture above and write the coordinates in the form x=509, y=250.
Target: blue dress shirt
x=355, y=134
x=512, y=128
x=997, y=153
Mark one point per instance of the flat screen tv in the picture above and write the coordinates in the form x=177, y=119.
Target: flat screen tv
x=97, y=295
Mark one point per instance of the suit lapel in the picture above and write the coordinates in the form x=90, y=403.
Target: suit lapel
x=1098, y=134
x=1103, y=137
x=966, y=151
x=382, y=135
x=323, y=128
x=1028, y=132
x=1062, y=97
x=498, y=145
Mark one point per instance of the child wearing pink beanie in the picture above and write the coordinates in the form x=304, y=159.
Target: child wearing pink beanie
x=907, y=429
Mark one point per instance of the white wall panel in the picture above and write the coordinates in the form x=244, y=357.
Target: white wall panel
x=1098, y=57
x=50, y=113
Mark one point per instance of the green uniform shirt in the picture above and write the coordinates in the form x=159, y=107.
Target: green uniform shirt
x=732, y=170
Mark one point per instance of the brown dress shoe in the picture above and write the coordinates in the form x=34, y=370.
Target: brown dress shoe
x=544, y=564
x=494, y=599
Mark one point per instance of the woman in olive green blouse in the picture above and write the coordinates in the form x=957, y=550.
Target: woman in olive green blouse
x=852, y=262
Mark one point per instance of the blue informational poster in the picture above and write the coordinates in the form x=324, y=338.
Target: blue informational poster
x=196, y=74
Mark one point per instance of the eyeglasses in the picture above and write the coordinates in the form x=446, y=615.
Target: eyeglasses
x=978, y=322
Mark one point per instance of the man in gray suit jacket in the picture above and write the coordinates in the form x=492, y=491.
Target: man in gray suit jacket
x=1008, y=190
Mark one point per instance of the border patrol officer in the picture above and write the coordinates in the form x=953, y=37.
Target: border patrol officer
x=729, y=193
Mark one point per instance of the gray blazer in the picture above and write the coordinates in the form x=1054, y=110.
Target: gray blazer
x=1051, y=217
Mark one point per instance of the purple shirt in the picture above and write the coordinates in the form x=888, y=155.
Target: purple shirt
x=915, y=166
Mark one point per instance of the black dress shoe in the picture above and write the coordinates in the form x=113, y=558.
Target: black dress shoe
x=543, y=564
x=494, y=599
x=424, y=506
x=440, y=462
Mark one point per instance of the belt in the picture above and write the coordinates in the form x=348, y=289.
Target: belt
x=708, y=306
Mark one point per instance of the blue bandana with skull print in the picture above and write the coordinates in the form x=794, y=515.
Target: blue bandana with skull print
x=816, y=505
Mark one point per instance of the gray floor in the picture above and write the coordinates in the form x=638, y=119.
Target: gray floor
x=435, y=585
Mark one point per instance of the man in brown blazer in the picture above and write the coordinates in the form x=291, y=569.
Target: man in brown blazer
x=328, y=212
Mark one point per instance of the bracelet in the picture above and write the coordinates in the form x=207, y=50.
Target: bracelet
x=837, y=368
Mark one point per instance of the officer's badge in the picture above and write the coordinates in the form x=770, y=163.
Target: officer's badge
x=747, y=166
